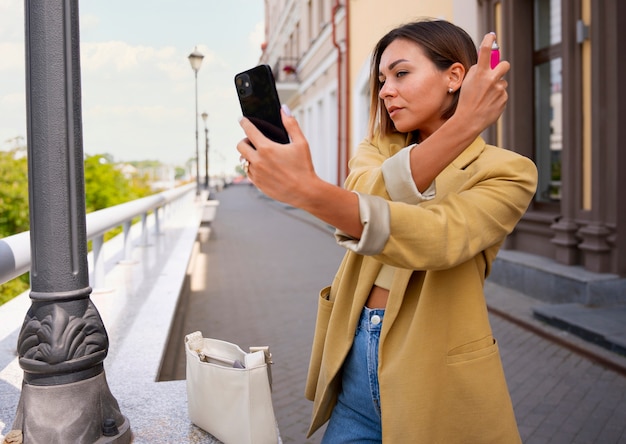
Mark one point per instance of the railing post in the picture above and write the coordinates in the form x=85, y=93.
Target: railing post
x=144, y=230
x=157, y=222
x=128, y=244
x=63, y=343
x=98, y=262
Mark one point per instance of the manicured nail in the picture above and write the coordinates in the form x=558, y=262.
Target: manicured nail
x=286, y=110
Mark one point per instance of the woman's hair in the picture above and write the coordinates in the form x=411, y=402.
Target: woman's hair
x=442, y=42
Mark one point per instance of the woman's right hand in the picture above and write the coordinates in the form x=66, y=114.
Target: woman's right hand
x=286, y=173
x=282, y=171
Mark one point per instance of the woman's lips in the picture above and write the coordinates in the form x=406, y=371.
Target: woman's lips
x=393, y=110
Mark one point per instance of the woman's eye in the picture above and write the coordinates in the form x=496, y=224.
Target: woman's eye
x=401, y=73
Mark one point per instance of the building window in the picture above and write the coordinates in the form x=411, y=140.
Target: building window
x=547, y=61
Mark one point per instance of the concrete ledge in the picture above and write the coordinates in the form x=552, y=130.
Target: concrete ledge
x=137, y=312
x=209, y=210
x=548, y=281
x=521, y=309
x=591, y=306
x=603, y=326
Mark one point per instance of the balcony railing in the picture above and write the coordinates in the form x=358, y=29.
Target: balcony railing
x=15, y=250
x=286, y=69
x=286, y=74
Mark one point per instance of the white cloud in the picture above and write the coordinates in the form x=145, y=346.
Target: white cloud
x=88, y=22
x=12, y=13
x=12, y=100
x=12, y=56
x=257, y=37
x=156, y=114
x=120, y=56
x=137, y=84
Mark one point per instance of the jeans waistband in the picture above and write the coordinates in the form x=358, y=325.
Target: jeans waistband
x=371, y=319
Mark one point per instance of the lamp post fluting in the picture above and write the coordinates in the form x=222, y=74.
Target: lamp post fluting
x=195, y=59
x=206, y=151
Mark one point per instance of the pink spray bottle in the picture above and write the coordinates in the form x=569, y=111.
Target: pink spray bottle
x=495, y=54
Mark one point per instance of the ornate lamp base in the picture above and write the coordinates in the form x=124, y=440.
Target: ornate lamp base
x=79, y=412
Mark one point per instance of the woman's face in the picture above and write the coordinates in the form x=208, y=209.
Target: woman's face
x=414, y=91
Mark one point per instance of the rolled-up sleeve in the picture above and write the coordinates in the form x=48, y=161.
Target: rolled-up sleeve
x=399, y=180
x=374, y=214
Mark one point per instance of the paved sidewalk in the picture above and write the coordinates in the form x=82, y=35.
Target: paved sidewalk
x=255, y=281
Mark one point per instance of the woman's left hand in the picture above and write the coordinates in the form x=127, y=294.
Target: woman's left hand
x=282, y=171
x=483, y=95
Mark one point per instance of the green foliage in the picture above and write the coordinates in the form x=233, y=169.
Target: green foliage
x=14, y=287
x=180, y=173
x=106, y=184
x=13, y=209
x=13, y=192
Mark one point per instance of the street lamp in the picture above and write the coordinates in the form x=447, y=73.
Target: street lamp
x=195, y=59
x=206, y=151
x=62, y=345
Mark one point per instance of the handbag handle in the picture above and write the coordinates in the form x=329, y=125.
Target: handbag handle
x=268, y=360
x=195, y=343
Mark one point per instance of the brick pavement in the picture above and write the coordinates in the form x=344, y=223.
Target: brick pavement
x=255, y=282
x=560, y=396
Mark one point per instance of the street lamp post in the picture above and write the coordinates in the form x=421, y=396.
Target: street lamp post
x=62, y=345
x=206, y=151
x=195, y=59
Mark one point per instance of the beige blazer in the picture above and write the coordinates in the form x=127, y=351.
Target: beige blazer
x=440, y=373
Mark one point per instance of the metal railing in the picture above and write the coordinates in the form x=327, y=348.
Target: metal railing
x=286, y=69
x=15, y=249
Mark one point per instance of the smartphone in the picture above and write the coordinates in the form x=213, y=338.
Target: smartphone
x=259, y=101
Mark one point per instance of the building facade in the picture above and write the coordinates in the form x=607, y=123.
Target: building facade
x=567, y=113
x=566, y=107
x=306, y=45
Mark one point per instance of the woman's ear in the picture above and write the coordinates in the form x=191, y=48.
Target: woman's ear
x=456, y=74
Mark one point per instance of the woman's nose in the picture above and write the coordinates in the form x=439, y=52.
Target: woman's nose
x=386, y=91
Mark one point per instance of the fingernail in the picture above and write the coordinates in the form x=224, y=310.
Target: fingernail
x=286, y=109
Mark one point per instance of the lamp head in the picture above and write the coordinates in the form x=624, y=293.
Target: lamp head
x=195, y=59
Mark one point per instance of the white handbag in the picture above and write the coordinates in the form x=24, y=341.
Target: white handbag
x=229, y=391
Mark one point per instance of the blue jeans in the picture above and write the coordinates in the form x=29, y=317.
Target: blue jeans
x=356, y=416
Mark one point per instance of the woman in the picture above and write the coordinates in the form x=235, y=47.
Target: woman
x=403, y=350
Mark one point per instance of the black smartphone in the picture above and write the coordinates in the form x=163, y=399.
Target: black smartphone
x=259, y=101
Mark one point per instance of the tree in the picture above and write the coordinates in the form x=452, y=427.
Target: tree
x=13, y=192
x=13, y=209
x=180, y=173
x=106, y=185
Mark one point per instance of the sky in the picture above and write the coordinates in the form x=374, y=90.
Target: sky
x=138, y=87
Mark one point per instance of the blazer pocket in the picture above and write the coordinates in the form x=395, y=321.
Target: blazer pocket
x=324, y=308
x=472, y=350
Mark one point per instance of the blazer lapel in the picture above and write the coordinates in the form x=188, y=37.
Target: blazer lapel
x=455, y=175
